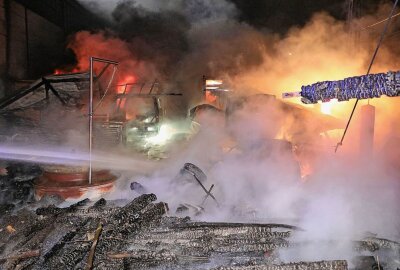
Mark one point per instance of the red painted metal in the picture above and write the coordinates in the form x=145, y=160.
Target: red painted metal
x=73, y=183
x=75, y=177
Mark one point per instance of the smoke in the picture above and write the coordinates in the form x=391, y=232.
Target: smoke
x=194, y=10
x=100, y=44
x=179, y=41
x=257, y=179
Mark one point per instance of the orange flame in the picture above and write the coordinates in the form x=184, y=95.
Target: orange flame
x=123, y=84
x=58, y=71
x=210, y=97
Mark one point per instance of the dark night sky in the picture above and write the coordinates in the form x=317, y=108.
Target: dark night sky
x=280, y=15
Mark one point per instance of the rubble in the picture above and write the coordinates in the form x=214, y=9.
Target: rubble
x=16, y=186
x=191, y=172
x=100, y=235
x=139, y=235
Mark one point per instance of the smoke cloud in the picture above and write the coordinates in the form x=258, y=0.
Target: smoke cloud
x=255, y=175
x=178, y=41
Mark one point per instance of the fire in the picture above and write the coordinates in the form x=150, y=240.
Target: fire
x=58, y=71
x=122, y=87
x=306, y=169
x=122, y=84
x=210, y=97
x=213, y=84
x=327, y=107
x=86, y=44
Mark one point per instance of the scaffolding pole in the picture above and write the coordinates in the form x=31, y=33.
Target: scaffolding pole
x=92, y=61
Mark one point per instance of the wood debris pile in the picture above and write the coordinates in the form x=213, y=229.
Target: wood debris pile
x=139, y=235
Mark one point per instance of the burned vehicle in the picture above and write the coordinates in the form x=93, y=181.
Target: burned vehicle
x=146, y=123
x=142, y=113
x=139, y=118
x=130, y=117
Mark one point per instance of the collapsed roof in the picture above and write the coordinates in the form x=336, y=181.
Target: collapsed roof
x=68, y=89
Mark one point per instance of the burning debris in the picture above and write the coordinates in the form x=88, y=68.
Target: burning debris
x=102, y=235
x=139, y=236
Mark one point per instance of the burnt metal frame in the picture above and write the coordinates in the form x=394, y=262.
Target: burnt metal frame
x=208, y=192
x=154, y=96
x=92, y=61
x=7, y=101
x=48, y=86
x=119, y=97
x=124, y=94
x=46, y=82
x=147, y=95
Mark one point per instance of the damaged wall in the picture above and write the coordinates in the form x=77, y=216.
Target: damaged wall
x=33, y=36
x=17, y=40
x=3, y=35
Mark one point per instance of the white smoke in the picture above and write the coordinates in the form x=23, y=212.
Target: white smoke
x=343, y=201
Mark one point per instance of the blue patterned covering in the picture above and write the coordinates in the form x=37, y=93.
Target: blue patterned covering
x=361, y=87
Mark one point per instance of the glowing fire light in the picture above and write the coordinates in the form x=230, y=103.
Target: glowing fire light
x=165, y=133
x=210, y=97
x=326, y=107
x=129, y=79
x=58, y=72
x=123, y=88
x=306, y=169
x=212, y=83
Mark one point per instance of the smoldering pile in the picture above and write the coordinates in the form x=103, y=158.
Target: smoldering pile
x=139, y=235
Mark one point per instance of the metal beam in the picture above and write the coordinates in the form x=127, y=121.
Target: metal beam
x=146, y=95
x=90, y=120
x=101, y=60
x=48, y=86
x=92, y=60
x=8, y=100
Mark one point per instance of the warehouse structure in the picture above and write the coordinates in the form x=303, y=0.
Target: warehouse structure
x=33, y=35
